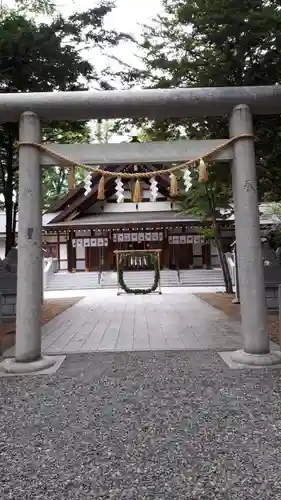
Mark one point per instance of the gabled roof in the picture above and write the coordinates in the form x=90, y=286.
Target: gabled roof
x=71, y=196
x=127, y=219
x=75, y=202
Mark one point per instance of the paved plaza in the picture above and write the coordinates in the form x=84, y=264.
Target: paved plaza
x=103, y=321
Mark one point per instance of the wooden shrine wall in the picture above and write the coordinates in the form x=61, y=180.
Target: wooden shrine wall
x=180, y=250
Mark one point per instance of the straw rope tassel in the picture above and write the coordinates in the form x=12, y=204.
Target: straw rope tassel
x=202, y=171
x=137, y=192
x=71, y=178
x=173, y=185
x=101, y=189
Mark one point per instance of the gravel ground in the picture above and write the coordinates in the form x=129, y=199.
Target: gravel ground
x=174, y=425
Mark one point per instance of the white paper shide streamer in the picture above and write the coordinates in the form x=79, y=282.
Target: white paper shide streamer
x=187, y=180
x=119, y=190
x=87, y=184
x=153, y=188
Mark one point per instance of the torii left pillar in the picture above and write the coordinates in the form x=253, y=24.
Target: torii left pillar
x=28, y=356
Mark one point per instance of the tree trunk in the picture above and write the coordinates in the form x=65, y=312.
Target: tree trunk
x=224, y=265
x=217, y=235
x=15, y=212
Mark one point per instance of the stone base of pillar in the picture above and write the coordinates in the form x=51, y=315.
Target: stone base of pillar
x=10, y=365
x=239, y=360
x=243, y=358
x=235, y=301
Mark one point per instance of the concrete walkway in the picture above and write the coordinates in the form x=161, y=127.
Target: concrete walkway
x=103, y=321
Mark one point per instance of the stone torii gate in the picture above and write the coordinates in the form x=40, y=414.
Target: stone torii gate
x=239, y=103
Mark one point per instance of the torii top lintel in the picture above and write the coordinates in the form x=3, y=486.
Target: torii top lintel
x=155, y=103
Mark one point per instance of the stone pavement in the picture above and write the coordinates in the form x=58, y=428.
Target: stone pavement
x=103, y=321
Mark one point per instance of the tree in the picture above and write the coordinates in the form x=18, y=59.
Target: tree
x=209, y=200
x=35, y=7
x=55, y=180
x=273, y=232
x=43, y=57
x=218, y=43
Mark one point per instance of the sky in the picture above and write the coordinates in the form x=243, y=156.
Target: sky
x=128, y=17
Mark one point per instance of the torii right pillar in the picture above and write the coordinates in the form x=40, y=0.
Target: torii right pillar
x=253, y=308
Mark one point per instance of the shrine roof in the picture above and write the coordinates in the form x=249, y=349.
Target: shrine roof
x=126, y=219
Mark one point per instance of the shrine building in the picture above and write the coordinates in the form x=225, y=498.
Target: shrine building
x=83, y=232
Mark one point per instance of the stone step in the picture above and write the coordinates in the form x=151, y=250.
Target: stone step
x=135, y=279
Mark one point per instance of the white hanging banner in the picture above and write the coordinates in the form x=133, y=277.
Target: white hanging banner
x=189, y=238
x=105, y=242
x=160, y=236
x=86, y=242
x=100, y=242
x=140, y=237
x=197, y=239
x=127, y=237
x=134, y=236
x=182, y=239
x=170, y=239
x=176, y=240
x=147, y=236
x=119, y=190
x=74, y=243
x=79, y=243
x=93, y=242
x=120, y=237
x=114, y=237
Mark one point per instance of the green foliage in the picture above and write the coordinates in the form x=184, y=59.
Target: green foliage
x=55, y=180
x=206, y=198
x=207, y=232
x=46, y=7
x=217, y=43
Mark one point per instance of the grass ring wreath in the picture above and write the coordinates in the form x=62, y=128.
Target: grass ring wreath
x=140, y=291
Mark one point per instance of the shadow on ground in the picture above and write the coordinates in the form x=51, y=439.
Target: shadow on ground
x=173, y=425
